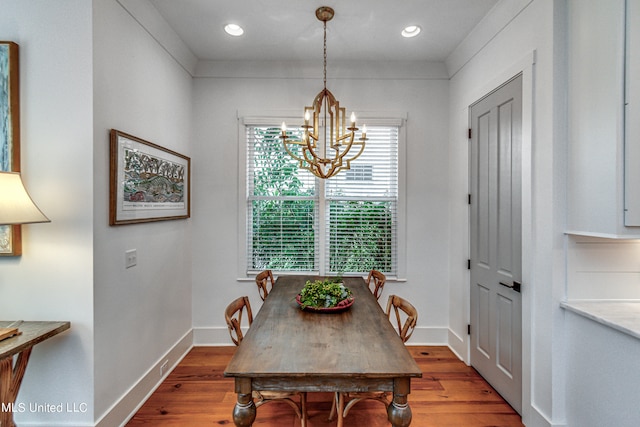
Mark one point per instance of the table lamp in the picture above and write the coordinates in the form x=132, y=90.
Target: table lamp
x=16, y=207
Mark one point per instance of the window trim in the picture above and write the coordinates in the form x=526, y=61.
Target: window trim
x=274, y=117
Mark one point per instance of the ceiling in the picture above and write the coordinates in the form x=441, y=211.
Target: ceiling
x=289, y=30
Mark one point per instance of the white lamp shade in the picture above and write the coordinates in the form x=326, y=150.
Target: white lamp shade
x=16, y=206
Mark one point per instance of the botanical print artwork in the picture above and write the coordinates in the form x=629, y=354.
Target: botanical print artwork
x=151, y=182
x=5, y=238
x=5, y=112
x=6, y=234
x=147, y=182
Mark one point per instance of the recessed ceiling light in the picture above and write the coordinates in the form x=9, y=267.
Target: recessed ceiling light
x=233, y=30
x=411, y=31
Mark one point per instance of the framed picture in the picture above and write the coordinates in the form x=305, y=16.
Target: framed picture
x=148, y=182
x=10, y=237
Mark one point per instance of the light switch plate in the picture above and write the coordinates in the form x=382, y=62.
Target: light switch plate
x=131, y=258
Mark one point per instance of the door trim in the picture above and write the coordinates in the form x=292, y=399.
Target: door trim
x=526, y=66
x=490, y=269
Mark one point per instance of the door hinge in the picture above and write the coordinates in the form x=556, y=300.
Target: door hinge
x=469, y=329
x=468, y=264
x=469, y=198
x=469, y=133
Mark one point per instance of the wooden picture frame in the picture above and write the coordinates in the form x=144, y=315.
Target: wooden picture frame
x=10, y=235
x=147, y=182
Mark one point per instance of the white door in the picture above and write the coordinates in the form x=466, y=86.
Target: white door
x=496, y=265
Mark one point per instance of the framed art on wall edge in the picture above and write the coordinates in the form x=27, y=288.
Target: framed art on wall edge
x=147, y=182
x=10, y=235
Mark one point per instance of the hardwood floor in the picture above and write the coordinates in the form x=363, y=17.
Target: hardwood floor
x=449, y=394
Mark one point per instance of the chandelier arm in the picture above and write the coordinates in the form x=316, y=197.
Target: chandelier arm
x=286, y=147
x=348, y=146
x=309, y=148
x=350, y=159
x=311, y=160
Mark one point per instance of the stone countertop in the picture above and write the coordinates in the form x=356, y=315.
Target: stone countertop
x=623, y=316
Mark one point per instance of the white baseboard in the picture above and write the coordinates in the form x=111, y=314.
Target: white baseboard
x=459, y=346
x=129, y=403
x=211, y=336
x=532, y=417
x=428, y=336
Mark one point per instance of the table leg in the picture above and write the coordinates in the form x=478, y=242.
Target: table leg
x=399, y=412
x=10, y=380
x=244, y=412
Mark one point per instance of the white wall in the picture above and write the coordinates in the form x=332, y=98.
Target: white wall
x=53, y=278
x=142, y=314
x=509, y=40
x=269, y=87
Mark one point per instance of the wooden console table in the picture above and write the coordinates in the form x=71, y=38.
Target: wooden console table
x=31, y=333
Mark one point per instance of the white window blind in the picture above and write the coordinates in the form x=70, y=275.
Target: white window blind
x=282, y=206
x=357, y=208
x=361, y=206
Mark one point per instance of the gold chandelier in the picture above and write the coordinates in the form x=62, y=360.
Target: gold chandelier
x=328, y=145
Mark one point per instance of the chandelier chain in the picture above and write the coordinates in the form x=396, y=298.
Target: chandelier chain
x=325, y=55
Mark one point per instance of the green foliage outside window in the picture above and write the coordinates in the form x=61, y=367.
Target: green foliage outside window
x=283, y=235
x=360, y=236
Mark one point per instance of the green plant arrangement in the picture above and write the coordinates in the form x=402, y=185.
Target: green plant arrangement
x=325, y=294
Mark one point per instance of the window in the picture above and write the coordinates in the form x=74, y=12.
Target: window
x=297, y=222
x=282, y=206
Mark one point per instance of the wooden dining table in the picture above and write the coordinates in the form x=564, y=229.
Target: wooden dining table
x=290, y=349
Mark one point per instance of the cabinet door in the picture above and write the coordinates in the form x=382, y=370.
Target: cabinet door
x=632, y=115
x=596, y=33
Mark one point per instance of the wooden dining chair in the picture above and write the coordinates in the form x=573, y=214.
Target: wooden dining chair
x=233, y=315
x=405, y=316
x=377, y=279
x=265, y=283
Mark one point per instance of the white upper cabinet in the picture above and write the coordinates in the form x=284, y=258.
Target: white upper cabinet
x=632, y=115
x=598, y=81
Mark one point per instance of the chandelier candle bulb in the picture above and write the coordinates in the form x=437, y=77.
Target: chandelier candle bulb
x=284, y=129
x=364, y=131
